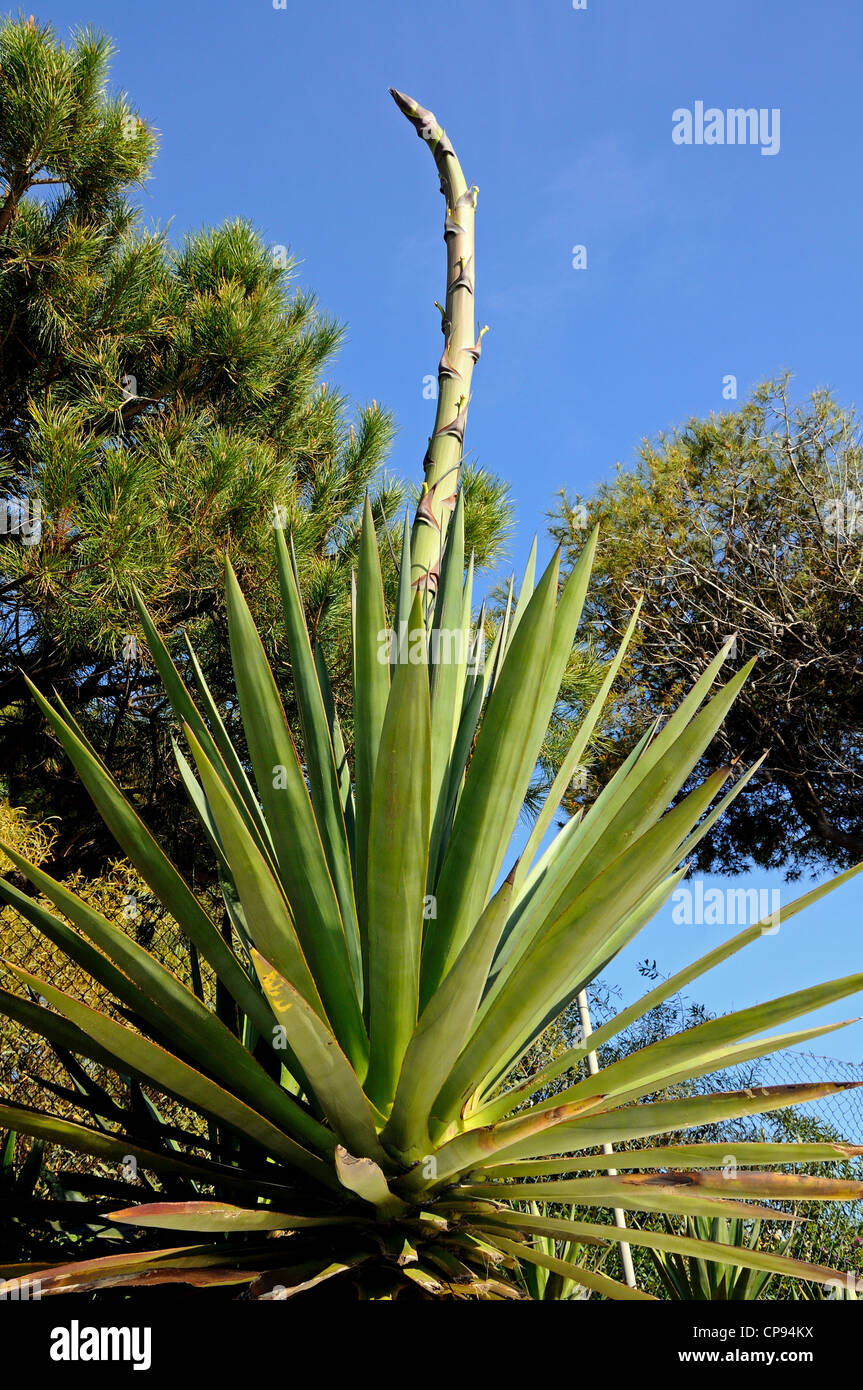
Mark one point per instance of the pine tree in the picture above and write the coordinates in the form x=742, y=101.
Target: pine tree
x=161, y=406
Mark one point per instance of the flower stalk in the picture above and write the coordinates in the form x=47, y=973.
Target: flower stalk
x=462, y=347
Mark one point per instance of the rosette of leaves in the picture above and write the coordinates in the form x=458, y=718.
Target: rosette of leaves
x=382, y=968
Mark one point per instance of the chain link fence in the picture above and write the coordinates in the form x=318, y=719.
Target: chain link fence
x=842, y=1112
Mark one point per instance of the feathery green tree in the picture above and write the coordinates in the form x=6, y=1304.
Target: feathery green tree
x=747, y=524
x=161, y=407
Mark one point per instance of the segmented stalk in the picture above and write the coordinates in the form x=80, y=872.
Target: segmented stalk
x=462, y=346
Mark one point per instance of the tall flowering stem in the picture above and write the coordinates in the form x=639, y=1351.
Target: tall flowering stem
x=462, y=345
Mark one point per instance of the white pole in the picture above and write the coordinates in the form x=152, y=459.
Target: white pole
x=593, y=1068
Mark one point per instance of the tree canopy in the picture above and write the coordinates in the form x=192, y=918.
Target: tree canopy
x=163, y=404
x=745, y=526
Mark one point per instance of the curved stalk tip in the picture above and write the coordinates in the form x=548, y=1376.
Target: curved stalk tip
x=462, y=347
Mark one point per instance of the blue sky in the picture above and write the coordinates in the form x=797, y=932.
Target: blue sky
x=702, y=261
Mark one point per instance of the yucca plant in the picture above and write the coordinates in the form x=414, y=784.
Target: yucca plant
x=342, y=1061
x=693, y=1280
x=541, y=1282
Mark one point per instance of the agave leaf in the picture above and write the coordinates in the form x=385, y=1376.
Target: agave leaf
x=193, y=1272
x=730, y=1056
x=281, y=1284
x=668, y=1192
x=644, y=911
x=658, y=1240
x=529, y=884
x=399, y=828
x=566, y=619
x=72, y=945
x=320, y=760
x=346, y=792
x=405, y=594
x=219, y=749
x=442, y=1029
x=661, y=1117
x=428, y=1282
x=116, y=1148
x=156, y=995
x=773, y=1187
x=603, y=941
x=720, y=808
x=674, y=728
x=667, y=988
x=195, y=793
x=473, y=1147
x=265, y=910
x=576, y=749
x=99, y=1106
x=495, y=665
x=606, y=832
x=687, y=1156
x=525, y=591
x=497, y=778
x=632, y=925
x=156, y=868
x=524, y=913
x=363, y=1177
x=586, y=1278
x=302, y=863
x=229, y=754
x=476, y=646
x=329, y=1073
x=58, y=1030
x=568, y=836
x=555, y=963
x=371, y=693
x=71, y=721
x=454, y=1268
x=467, y=594
x=638, y=1072
x=630, y=803
x=448, y=670
x=160, y=1068
x=197, y=1265
x=215, y=1217
x=143, y=1128
x=465, y=734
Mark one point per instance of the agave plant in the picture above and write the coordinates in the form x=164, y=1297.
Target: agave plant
x=542, y=1283
x=695, y=1280
x=348, y=1109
